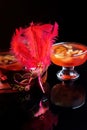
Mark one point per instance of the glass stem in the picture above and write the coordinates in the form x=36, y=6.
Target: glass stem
x=67, y=73
x=68, y=68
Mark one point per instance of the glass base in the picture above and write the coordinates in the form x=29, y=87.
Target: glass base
x=67, y=73
x=67, y=95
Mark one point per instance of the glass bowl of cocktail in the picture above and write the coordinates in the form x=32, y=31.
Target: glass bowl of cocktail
x=8, y=62
x=68, y=55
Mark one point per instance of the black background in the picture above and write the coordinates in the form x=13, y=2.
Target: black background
x=70, y=15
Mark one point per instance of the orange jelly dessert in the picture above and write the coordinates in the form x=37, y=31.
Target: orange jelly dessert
x=68, y=54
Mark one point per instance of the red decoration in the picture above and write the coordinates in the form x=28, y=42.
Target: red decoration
x=32, y=45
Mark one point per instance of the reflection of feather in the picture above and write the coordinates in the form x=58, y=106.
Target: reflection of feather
x=32, y=45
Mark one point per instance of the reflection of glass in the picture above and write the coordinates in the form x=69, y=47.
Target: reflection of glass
x=68, y=55
x=7, y=62
x=68, y=94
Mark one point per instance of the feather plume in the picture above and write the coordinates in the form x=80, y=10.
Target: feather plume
x=32, y=45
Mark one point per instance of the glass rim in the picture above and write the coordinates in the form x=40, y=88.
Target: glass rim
x=58, y=43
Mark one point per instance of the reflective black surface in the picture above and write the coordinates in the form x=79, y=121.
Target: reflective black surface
x=18, y=108
x=15, y=107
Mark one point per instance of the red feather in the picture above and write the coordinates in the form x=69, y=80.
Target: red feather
x=32, y=45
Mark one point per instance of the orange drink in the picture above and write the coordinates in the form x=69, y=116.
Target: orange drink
x=9, y=62
x=68, y=54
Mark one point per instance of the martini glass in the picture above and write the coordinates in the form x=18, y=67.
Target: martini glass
x=68, y=55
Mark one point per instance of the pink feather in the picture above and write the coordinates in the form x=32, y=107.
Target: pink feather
x=32, y=45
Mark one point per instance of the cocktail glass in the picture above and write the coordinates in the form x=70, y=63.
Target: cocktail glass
x=68, y=55
x=68, y=94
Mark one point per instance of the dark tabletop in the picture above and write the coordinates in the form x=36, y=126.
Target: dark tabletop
x=17, y=108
